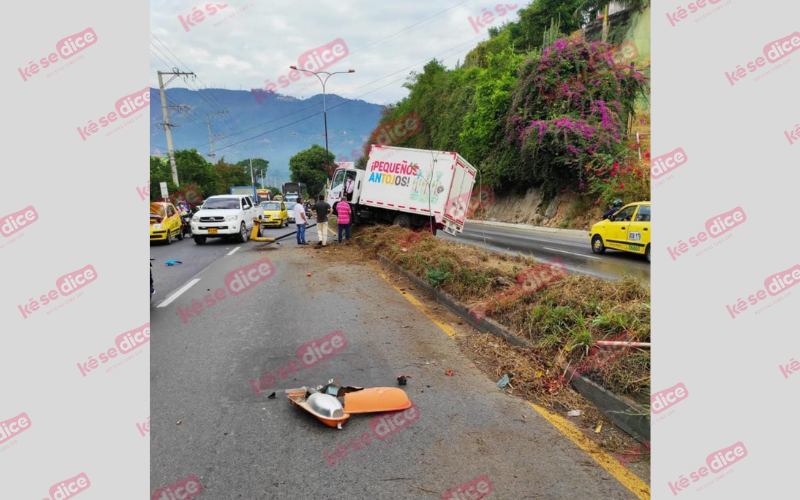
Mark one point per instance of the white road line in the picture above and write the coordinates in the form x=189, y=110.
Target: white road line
x=232, y=251
x=178, y=293
x=573, y=253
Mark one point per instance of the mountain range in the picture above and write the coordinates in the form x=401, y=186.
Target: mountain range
x=270, y=126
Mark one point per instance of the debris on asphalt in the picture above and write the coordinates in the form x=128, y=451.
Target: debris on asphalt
x=271, y=396
x=599, y=426
x=574, y=413
x=173, y=262
x=403, y=379
x=323, y=401
x=449, y=373
x=503, y=382
x=179, y=422
x=308, y=275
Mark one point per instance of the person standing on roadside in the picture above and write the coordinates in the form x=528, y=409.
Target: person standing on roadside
x=323, y=210
x=300, y=221
x=343, y=218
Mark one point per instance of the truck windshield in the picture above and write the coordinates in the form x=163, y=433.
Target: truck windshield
x=221, y=204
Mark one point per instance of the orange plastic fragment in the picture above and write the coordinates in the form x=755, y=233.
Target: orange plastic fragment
x=376, y=399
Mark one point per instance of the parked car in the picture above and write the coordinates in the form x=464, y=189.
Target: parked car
x=225, y=216
x=165, y=222
x=290, y=210
x=275, y=214
x=627, y=230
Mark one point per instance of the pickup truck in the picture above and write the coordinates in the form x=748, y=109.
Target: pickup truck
x=225, y=216
x=411, y=188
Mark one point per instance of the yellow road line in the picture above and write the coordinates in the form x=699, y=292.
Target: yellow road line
x=446, y=328
x=616, y=469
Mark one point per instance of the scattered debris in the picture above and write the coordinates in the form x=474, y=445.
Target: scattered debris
x=271, y=396
x=574, y=413
x=599, y=426
x=323, y=401
x=503, y=382
x=449, y=373
x=179, y=422
x=173, y=262
x=308, y=275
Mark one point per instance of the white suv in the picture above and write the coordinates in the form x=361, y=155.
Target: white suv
x=225, y=216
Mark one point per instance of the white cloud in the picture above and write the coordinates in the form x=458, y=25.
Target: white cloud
x=248, y=46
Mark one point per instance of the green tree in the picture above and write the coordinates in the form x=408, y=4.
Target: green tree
x=259, y=164
x=308, y=167
x=231, y=175
x=192, y=169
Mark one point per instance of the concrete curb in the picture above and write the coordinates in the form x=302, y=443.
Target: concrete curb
x=571, y=232
x=623, y=414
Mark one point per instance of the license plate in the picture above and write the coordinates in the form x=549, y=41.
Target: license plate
x=212, y=231
x=634, y=236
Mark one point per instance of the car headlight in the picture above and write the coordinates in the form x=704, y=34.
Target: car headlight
x=196, y=218
x=231, y=218
x=156, y=226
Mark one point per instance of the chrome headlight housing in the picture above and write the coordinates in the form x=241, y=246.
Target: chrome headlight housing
x=231, y=218
x=326, y=405
x=157, y=226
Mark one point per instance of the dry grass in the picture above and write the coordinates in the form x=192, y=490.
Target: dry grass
x=563, y=319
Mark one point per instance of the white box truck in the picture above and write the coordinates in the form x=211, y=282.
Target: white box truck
x=412, y=188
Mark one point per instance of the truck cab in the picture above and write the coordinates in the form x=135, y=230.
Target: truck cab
x=340, y=177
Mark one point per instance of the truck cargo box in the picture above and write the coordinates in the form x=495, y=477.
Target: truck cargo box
x=422, y=182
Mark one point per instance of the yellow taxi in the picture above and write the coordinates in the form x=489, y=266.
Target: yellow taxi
x=165, y=222
x=627, y=230
x=275, y=214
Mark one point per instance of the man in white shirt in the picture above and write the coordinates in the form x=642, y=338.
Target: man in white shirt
x=300, y=221
x=349, y=188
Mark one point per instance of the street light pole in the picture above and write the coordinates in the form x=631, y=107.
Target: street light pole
x=324, y=102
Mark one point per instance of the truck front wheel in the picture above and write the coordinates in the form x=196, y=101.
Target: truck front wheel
x=402, y=220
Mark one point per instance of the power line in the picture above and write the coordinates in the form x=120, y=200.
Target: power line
x=358, y=97
x=318, y=113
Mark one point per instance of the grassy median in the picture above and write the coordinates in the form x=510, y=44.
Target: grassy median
x=563, y=315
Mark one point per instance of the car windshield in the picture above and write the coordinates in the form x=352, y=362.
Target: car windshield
x=157, y=209
x=290, y=206
x=270, y=206
x=221, y=204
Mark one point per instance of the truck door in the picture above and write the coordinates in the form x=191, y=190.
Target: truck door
x=337, y=186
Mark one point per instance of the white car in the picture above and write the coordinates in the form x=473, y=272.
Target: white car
x=229, y=215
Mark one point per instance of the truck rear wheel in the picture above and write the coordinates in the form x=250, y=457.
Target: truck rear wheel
x=402, y=220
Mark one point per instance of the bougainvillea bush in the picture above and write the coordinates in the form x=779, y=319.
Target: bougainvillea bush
x=568, y=118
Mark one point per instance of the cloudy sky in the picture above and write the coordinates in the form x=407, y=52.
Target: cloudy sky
x=252, y=43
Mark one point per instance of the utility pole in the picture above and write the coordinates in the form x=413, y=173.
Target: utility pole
x=252, y=180
x=210, y=135
x=175, y=73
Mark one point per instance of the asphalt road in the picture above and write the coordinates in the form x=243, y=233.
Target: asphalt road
x=208, y=419
x=574, y=251
x=168, y=279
